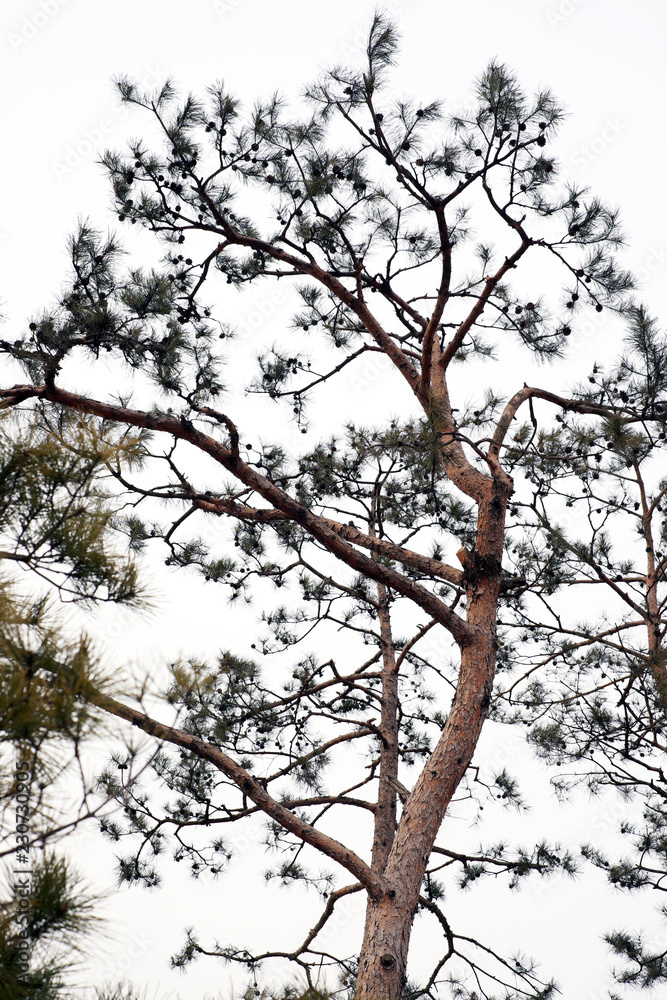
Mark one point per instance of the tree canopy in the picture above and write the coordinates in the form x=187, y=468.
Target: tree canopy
x=482, y=540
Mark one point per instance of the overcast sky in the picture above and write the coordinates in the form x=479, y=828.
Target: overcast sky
x=604, y=59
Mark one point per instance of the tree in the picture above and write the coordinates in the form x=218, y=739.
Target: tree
x=363, y=205
x=56, y=515
x=595, y=690
x=57, y=915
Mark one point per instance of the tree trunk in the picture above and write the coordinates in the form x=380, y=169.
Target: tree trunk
x=389, y=919
x=657, y=657
x=384, y=952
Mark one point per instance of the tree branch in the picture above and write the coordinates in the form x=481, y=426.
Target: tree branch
x=248, y=785
x=478, y=308
x=313, y=523
x=443, y=294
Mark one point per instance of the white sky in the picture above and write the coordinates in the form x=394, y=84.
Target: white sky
x=604, y=59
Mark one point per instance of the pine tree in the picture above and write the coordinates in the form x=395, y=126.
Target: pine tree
x=594, y=689
x=49, y=933
x=366, y=205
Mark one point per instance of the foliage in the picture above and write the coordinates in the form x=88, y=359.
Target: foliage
x=377, y=654
x=57, y=923
x=55, y=512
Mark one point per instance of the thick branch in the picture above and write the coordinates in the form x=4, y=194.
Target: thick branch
x=443, y=293
x=436, y=402
x=478, y=308
x=408, y=557
x=354, y=303
x=313, y=523
x=250, y=788
x=530, y=392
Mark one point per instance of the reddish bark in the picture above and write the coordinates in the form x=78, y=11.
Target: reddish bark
x=652, y=620
x=384, y=953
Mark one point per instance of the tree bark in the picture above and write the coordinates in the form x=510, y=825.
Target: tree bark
x=385, y=812
x=389, y=919
x=384, y=952
x=656, y=651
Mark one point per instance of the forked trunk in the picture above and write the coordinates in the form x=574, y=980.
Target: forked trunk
x=384, y=952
